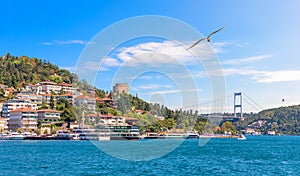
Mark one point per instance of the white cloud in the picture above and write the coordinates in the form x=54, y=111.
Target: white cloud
x=68, y=42
x=111, y=62
x=167, y=52
x=175, y=91
x=89, y=66
x=266, y=76
x=247, y=59
x=71, y=69
x=151, y=86
x=279, y=76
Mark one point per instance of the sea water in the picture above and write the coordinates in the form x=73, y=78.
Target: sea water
x=258, y=155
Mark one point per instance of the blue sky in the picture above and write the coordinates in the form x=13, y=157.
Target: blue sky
x=258, y=49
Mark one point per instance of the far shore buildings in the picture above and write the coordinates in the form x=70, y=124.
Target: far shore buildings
x=106, y=119
x=3, y=124
x=13, y=104
x=121, y=88
x=49, y=87
x=48, y=116
x=23, y=118
x=83, y=100
x=28, y=119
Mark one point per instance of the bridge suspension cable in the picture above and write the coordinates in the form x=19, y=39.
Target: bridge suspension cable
x=254, y=102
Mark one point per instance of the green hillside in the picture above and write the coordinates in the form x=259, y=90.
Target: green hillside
x=284, y=120
x=15, y=71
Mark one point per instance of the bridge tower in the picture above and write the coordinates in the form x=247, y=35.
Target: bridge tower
x=238, y=102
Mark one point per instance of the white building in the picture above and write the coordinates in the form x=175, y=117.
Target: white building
x=48, y=116
x=33, y=98
x=106, y=119
x=67, y=88
x=23, y=118
x=3, y=124
x=271, y=132
x=48, y=87
x=13, y=104
x=83, y=100
x=47, y=98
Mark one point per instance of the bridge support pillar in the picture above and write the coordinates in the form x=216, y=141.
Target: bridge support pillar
x=238, y=102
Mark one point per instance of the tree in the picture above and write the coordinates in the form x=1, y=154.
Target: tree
x=228, y=126
x=52, y=102
x=68, y=113
x=200, y=125
x=2, y=93
x=45, y=131
x=44, y=105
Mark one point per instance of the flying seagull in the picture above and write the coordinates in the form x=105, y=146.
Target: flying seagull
x=206, y=38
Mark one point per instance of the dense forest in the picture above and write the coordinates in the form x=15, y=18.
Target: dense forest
x=283, y=120
x=16, y=71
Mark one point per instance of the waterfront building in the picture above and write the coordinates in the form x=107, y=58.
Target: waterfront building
x=2, y=86
x=271, y=132
x=13, y=104
x=49, y=87
x=48, y=116
x=67, y=88
x=83, y=100
x=47, y=98
x=68, y=96
x=121, y=88
x=3, y=124
x=91, y=92
x=74, y=125
x=23, y=118
x=33, y=98
x=106, y=119
x=105, y=100
x=131, y=120
x=250, y=131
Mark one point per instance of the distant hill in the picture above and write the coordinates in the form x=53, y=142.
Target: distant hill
x=284, y=120
x=15, y=71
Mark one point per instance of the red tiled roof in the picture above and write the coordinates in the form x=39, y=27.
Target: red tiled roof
x=139, y=110
x=84, y=97
x=23, y=110
x=49, y=110
x=47, y=95
x=101, y=115
x=49, y=82
x=65, y=84
x=131, y=118
x=66, y=94
x=105, y=99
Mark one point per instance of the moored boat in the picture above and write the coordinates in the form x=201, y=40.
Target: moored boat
x=12, y=136
x=63, y=135
x=241, y=137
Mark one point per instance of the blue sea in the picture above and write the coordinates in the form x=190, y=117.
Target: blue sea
x=258, y=155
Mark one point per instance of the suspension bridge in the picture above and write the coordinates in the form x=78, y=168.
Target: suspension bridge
x=228, y=108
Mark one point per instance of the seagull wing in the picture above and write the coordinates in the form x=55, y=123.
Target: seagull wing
x=196, y=43
x=215, y=32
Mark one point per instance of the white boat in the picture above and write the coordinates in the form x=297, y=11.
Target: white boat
x=192, y=135
x=241, y=137
x=103, y=133
x=63, y=135
x=12, y=136
x=91, y=134
x=74, y=136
